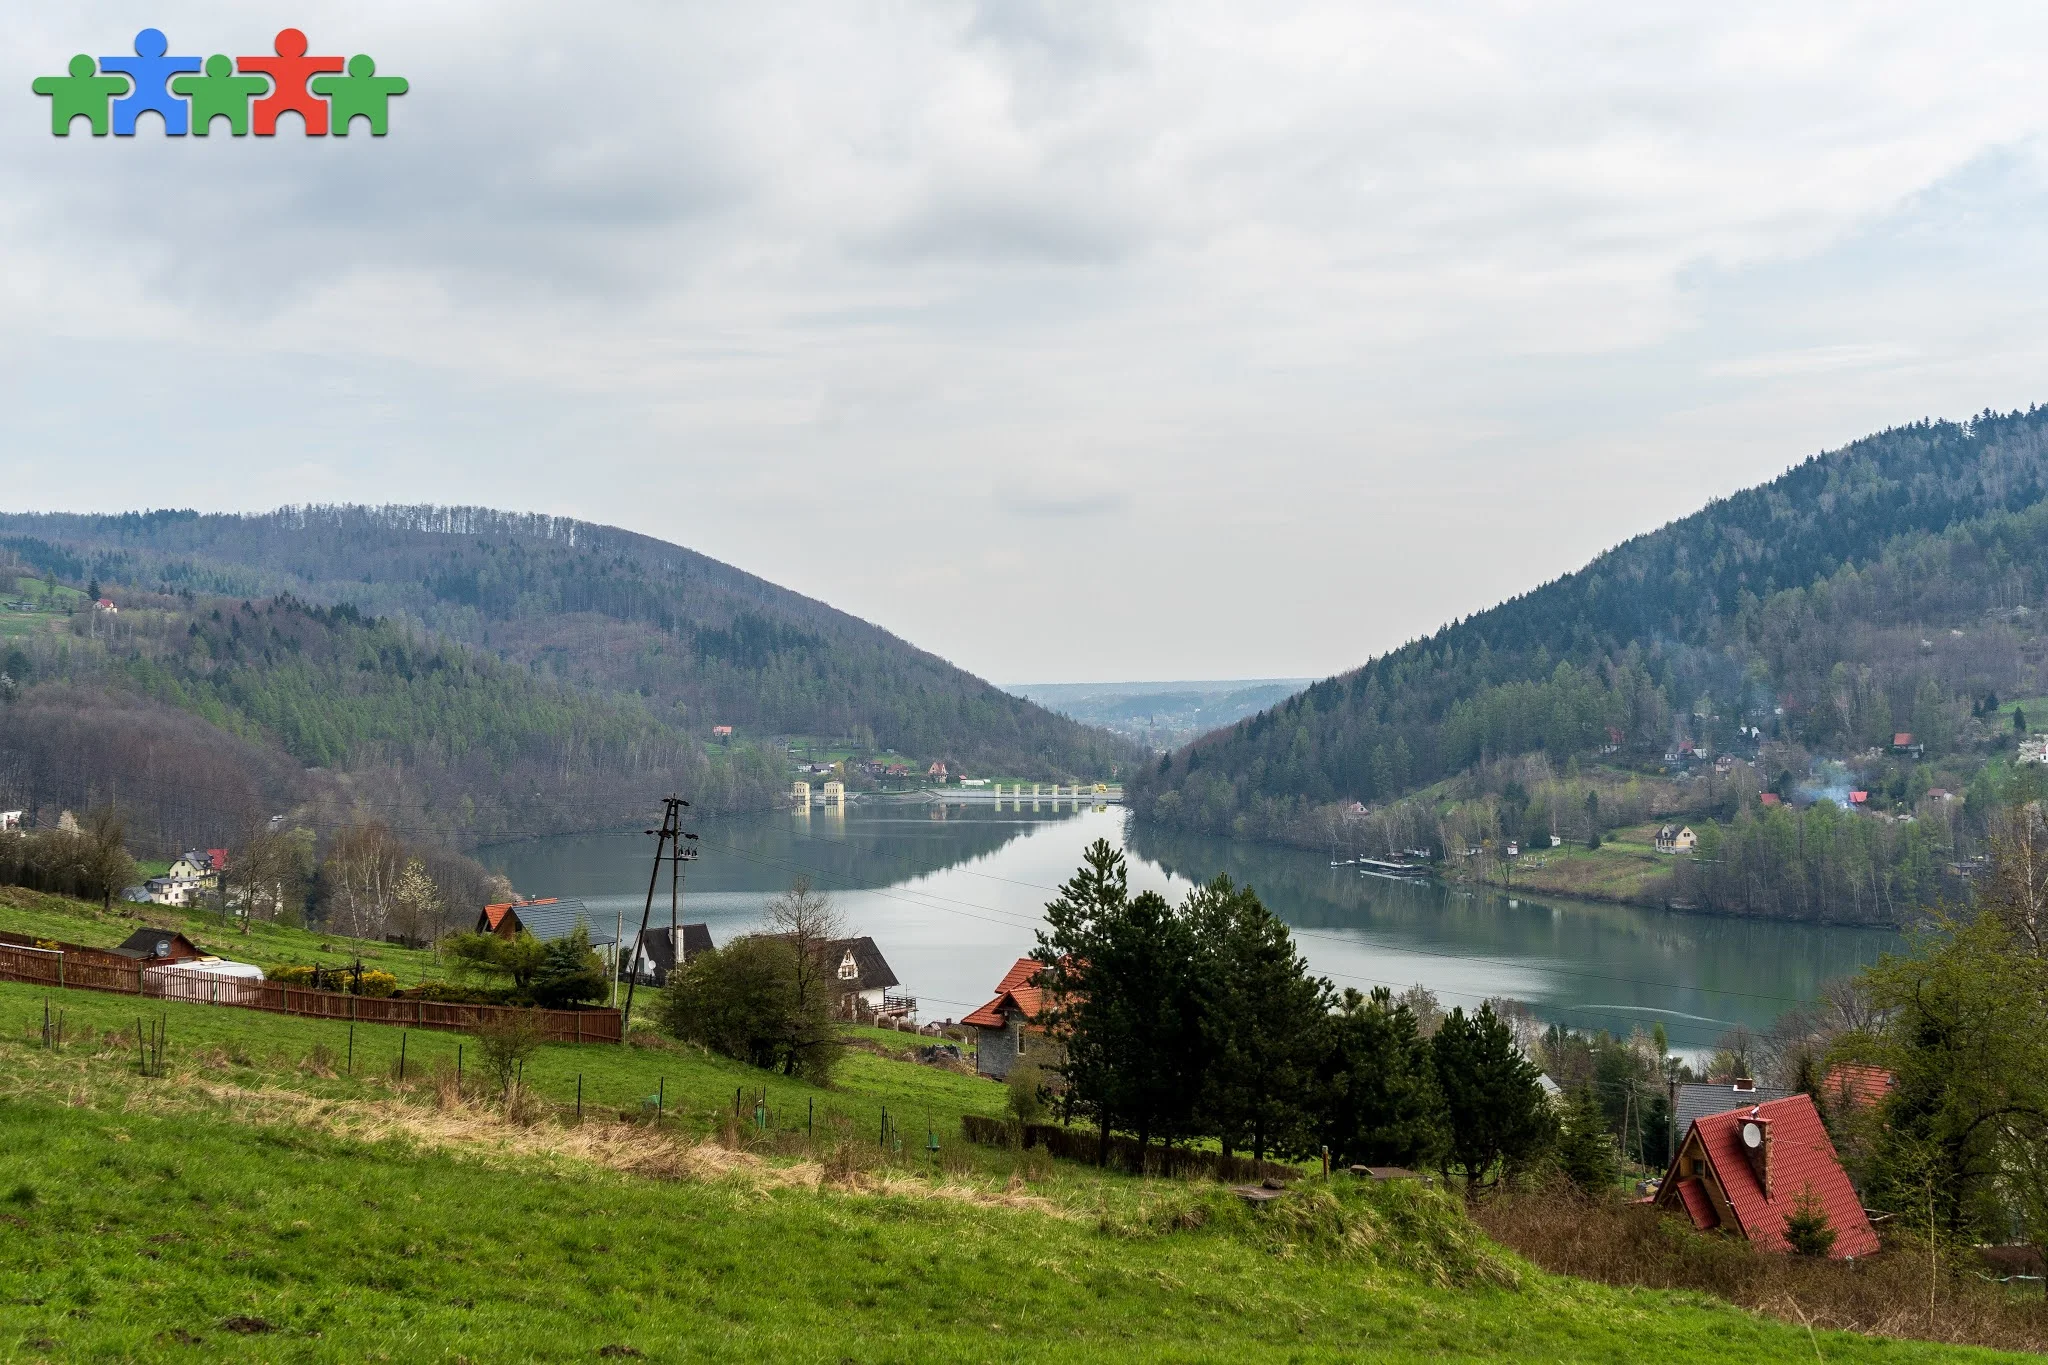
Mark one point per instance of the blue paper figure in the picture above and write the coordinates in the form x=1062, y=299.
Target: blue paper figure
x=149, y=68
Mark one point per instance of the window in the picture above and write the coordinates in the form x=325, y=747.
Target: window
x=847, y=969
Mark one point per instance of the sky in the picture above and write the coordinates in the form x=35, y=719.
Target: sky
x=1071, y=342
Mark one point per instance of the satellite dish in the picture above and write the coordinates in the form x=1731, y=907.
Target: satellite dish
x=1752, y=1135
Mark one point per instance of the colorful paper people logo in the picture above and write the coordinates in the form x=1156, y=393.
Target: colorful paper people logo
x=225, y=88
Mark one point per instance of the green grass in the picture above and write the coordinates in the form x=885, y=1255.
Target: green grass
x=149, y=1219
x=81, y=922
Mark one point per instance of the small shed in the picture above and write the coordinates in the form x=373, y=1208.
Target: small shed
x=158, y=946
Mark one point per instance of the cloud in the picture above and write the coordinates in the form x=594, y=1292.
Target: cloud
x=1391, y=308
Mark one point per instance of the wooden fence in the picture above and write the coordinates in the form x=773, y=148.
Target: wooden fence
x=91, y=969
x=1085, y=1144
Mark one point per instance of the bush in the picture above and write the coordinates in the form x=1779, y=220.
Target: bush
x=506, y=1041
x=742, y=1001
x=1807, y=1227
x=1027, y=1092
x=448, y=993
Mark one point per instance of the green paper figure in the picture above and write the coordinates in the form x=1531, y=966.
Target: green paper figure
x=80, y=93
x=361, y=93
x=220, y=93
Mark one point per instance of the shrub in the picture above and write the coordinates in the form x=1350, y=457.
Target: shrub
x=506, y=1041
x=742, y=1001
x=1027, y=1092
x=1807, y=1227
x=448, y=993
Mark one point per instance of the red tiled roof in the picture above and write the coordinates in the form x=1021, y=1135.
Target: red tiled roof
x=1017, y=990
x=1859, y=1086
x=494, y=915
x=1698, y=1206
x=1801, y=1156
x=1769, y=798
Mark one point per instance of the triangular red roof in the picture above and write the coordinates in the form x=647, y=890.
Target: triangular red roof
x=1016, y=991
x=1801, y=1157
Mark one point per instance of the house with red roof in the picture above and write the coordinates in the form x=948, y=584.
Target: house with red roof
x=1854, y=1085
x=1745, y=1170
x=1008, y=1026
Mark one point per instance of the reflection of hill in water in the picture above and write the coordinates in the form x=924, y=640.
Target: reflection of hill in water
x=871, y=845
x=1618, y=956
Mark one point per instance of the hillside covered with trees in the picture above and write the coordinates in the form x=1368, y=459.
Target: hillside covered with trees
x=1798, y=629
x=699, y=644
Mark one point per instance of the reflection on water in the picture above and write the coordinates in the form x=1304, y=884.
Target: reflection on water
x=953, y=893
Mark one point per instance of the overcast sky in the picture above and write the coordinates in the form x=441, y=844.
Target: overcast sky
x=1072, y=342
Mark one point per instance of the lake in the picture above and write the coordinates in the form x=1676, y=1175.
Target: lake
x=952, y=894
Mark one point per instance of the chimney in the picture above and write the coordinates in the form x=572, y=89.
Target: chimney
x=1753, y=1134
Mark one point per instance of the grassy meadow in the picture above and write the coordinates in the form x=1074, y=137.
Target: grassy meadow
x=262, y=1200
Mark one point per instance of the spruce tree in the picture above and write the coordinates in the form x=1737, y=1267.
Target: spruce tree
x=1262, y=1017
x=1585, y=1149
x=1499, y=1118
x=1378, y=1100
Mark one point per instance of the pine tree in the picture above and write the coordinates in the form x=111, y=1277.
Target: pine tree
x=1262, y=1021
x=1585, y=1149
x=1807, y=1227
x=1378, y=1099
x=1499, y=1118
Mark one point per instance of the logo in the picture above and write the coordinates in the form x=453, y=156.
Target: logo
x=189, y=94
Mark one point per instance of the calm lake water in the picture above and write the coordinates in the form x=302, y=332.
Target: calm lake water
x=952, y=894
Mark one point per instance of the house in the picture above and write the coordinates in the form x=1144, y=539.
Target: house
x=1745, y=1170
x=863, y=979
x=1676, y=839
x=10, y=820
x=1008, y=1025
x=657, y=953
x=1690, y=1101
x=106, y=604
x=937, y=770
x=177, y=891
x=1941, y=794
x=1769, y=799
x=1859, y=798
x=199, y=865
x=546, y=919
x=1903, y=743
x=159, y=945
x=721, y=732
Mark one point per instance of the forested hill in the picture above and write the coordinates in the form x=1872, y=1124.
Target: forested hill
x=1889, y=582
x=200, y=718
x=699, y=643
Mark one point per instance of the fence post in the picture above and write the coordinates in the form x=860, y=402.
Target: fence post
x=60, y=974
x=402, y=1035
x=579, y=1037
x=579, y=1097
x=351, y=1046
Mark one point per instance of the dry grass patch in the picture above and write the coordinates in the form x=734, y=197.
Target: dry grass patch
x=1892, y=1294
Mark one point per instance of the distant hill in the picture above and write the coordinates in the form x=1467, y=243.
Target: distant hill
x=453, y=648
x=1895, y=585
x=1160, y=715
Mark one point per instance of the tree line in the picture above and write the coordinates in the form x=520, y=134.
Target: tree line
x=1194, y=1021
x=1881, y=588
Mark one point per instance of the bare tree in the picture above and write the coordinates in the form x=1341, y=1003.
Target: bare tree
x=808, y=920
x=359, y=880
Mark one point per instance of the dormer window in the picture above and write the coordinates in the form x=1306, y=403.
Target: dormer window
x=848, y=969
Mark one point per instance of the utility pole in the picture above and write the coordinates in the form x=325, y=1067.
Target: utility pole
x=671, y=847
